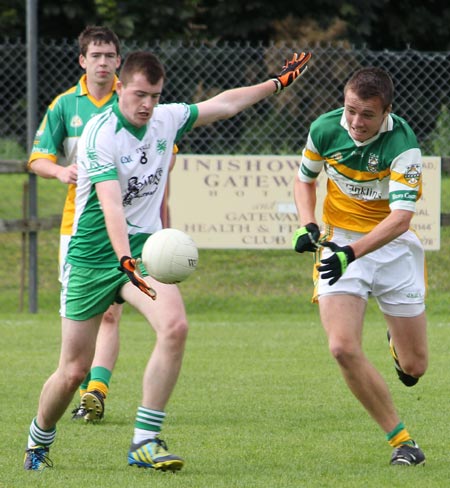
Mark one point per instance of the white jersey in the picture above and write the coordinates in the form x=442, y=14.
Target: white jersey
x=110, y=148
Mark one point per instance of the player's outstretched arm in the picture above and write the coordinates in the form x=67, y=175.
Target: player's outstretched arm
x=231, y=102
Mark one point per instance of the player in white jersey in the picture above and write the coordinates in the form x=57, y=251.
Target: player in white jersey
x=58, y=132
x=123, y=161
x=374, y=168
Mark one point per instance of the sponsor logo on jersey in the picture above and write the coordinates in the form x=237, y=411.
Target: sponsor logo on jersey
x=372, y=164
x=412, y=174
x=76, y=121
x=143, y=187
x=363, y=192
x=408, y=196
x=126, y=159
x=161, y=146
x=337, y=156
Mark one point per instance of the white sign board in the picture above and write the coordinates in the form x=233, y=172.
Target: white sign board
x=246, y=202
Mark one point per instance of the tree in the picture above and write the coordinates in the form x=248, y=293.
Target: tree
x=420, y=25
x=12, y=18
x=377, y=24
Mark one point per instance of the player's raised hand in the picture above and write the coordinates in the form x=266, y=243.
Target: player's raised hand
x=130, y=267
x=336, y=265
x=291, y=71
x=306, y=238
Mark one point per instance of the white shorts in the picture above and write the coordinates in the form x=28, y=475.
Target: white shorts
x=393, y=274
x=64, y=241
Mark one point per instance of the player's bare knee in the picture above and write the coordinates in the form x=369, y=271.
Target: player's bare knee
x=175, y=332
x=415, y=368
x=110, y=319
x=73, y=377
x=343, y=354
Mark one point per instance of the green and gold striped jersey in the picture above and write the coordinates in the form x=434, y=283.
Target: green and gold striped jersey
x=366, y=180
x=60, y=129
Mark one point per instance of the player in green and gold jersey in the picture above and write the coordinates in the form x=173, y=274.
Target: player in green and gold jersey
x=374, y=168
x=58, y=136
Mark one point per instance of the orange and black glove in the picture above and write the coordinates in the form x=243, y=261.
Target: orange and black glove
x=291, y=71
x=130, y=267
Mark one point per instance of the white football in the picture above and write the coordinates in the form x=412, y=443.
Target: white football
x=170, y=256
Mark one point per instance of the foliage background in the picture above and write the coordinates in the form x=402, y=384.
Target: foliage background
x=378, y=24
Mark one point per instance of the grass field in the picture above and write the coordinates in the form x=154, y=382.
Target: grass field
x=259, y=403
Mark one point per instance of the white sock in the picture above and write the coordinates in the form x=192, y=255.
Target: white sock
x=142, y=435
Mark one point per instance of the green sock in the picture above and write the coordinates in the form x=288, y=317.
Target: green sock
x=99, y=373
x=84, y=385
x=100, y=377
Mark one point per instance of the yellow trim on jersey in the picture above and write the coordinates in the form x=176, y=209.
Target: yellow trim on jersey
x=51, y=157
x=94, y=101
x=313, y=156
x=357, y=174
x=68, y=211
x=400, y=178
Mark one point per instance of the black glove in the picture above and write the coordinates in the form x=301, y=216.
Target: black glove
x=306, y=238
x=336, y=265
x=291, y=70
x=130, y=267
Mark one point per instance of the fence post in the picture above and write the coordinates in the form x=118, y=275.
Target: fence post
x=31, y=130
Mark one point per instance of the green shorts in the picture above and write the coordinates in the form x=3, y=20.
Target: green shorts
x=87, y=292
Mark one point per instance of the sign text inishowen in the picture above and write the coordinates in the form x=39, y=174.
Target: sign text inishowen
x=247, y=202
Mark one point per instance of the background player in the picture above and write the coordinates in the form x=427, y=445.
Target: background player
x=58, y=133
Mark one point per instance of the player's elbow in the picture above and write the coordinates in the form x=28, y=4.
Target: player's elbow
x=33, y=166
x=402, y=220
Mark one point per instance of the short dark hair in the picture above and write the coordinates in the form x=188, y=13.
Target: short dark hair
x=372, y=82
x=98, y=35
x=142, y=62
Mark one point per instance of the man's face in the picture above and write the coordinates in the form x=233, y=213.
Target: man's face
x=100, y=63
x=138, y=99
x=364, y=117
